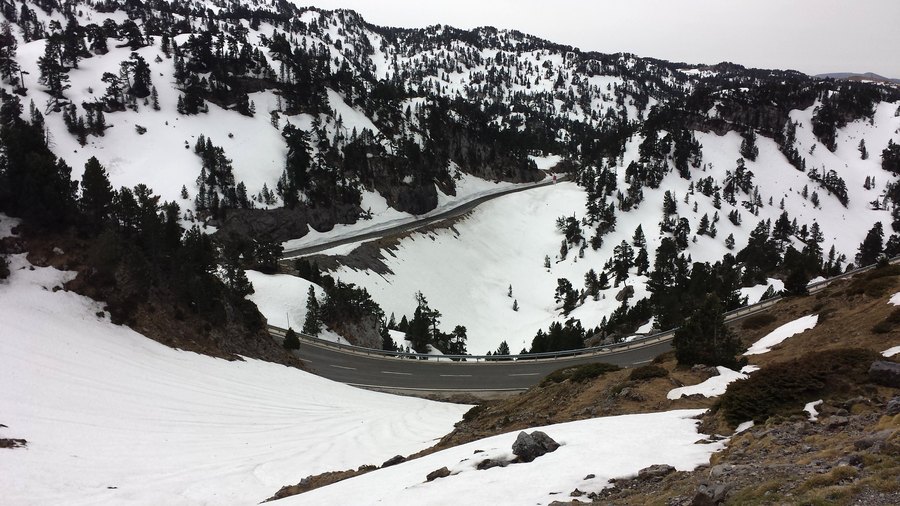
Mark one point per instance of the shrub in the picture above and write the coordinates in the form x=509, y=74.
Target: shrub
x=888, y=324
x=579, y=373
x=757, y=321
x=291, y=341
x=782, y=388
x=4, y=267
x=646, y=372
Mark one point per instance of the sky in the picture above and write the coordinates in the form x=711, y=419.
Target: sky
x=812, y=36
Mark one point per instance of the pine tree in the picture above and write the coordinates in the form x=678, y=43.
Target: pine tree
x=515, y=305
x=863, y=152
x=871, y=247
x=705, y=339
x=312, y=325
x=96, y=194
x=729, y=242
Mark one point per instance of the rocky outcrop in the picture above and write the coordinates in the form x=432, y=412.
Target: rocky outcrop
x=283, y=224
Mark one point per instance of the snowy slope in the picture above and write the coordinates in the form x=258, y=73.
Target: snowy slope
x=112, y=417
x=606, y=447
x=465, y=272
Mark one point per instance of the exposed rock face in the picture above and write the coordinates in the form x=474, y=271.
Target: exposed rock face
x=361, y=332
x=885, y=373
x=284, y=224
x=528, y=447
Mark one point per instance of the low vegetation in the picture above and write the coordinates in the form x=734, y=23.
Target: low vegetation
x=782, y=388
x=580, y=373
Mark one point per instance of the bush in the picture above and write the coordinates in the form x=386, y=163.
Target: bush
x=291, y=341
x=757, y=321
x=783, y=388
x=579, y=373
x=646, y=372
x=888, y=324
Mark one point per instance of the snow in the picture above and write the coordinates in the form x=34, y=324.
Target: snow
x=647, y=327
x=7, y=223
x=744, y=427
x=810, y=408
x=112, y=417
x=606, y=447
x=895, y=299
x=754, y=293
x=282, y=300
x=783, y=332
x=890, y=352
x=714, y=386
x=468, y=188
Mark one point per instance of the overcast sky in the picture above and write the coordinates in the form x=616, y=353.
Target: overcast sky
x=813, y=36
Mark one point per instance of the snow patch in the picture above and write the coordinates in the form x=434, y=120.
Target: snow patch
x=713, y=387
x=783, y=332
x=890, y=352
x=810, y=409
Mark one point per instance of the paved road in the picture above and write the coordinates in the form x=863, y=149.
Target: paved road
x=389, y=373
x=407, y=227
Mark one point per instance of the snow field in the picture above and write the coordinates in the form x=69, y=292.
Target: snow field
x=608, y=447
x=112, y=417
x=465, y=272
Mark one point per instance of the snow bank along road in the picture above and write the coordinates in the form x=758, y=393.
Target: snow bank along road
x=454, y=212
x=431, y=374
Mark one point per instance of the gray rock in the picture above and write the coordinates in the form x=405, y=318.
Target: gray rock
x=893, y=406
x=885, y=373
x=655, y=472
x=393, y=461
x=872, y=439
x=835, y=422
x=528, y=447
x=590, y=477
x=439, y=473
x=710, y=494
x=489, y=463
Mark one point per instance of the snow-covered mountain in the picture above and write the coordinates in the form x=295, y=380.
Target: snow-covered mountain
x=232, y=108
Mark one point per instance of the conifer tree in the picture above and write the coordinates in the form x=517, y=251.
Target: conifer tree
x=705, y=339
x=312, y=325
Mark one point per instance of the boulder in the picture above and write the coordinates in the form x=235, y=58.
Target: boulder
x=655, y=472
x=710, y=494
x=393, y=461
x=438, y=473
x=893, y=406
x=528, y=447
x=885, y=373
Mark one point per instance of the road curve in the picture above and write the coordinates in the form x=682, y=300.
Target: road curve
x=436, y=375
x=431, y=376
x=413, y=225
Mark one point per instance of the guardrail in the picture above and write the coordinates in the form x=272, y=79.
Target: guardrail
x=730, y=316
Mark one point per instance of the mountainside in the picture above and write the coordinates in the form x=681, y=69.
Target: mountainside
x=264, y=120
